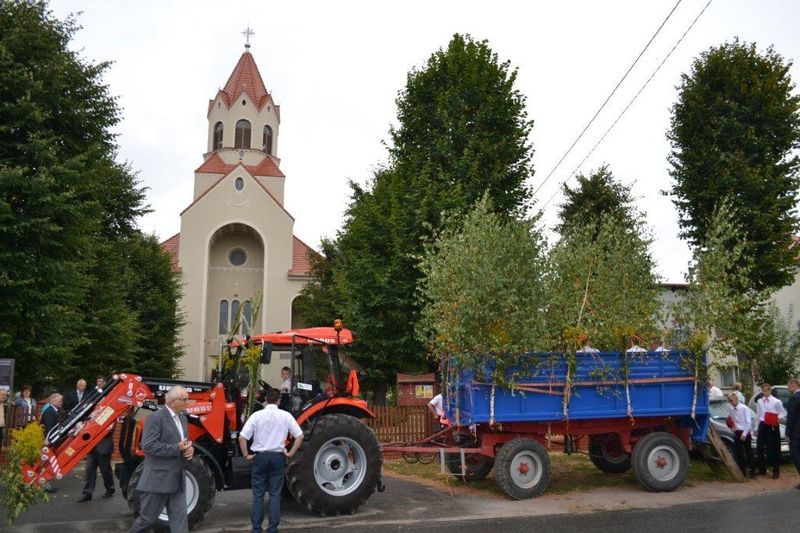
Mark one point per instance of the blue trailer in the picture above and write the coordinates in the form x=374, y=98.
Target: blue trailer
x=642, y=410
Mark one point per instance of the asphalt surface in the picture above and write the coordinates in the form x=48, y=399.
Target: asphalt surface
x=409, y=506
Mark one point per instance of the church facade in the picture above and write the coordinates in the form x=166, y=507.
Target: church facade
x=236, y=246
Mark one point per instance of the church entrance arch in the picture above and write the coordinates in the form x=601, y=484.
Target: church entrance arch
x=236, y=256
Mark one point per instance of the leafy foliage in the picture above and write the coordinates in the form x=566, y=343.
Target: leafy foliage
x=717, y=314
x=463, y=132
x=18, y=495
x=735, y=130
x=73, y=289
x=483, y=289
x=595, y=196
x=779, y=347
x=601, y=286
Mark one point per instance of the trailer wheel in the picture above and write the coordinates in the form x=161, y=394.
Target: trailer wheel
x=660, y=462
x=608, y=455
x=478, y=466
x=522, y=469
x=337, y=468
x=200, y=493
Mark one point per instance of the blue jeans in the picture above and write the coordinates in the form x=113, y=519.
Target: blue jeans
x=269, y=470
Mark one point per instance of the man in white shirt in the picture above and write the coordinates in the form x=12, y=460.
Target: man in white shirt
x=768, y=437
x=743, y=440
x=269, y=429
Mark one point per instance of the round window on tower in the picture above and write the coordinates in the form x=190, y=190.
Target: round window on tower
x=237, y=257
x=239, y=184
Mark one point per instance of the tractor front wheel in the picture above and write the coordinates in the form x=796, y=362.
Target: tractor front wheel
x=338, y=466
x=199, y=487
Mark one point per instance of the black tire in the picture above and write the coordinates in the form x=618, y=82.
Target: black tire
x=522, y=469
x=660, y=462
x=607, y=454
x=478, y=466
x=316, y=477
x=202, y=494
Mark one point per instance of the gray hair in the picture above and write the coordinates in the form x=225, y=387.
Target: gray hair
x=54, y=396
x=793, y=381
x=174, y=393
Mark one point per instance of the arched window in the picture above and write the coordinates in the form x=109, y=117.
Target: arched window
x=242, y=134
x=266, y=143
x=247, y=318
x=234, y=315
x=218, y=128
x=223, y=317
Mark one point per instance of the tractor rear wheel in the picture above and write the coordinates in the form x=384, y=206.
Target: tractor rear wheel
x=338, y=466
x=200, y=493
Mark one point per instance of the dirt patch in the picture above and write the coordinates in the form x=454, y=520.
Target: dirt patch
x=576, y=486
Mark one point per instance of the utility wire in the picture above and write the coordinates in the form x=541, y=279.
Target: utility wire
x=607, y=99
x=627, y=106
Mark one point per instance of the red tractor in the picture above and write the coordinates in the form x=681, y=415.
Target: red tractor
x=335, y=471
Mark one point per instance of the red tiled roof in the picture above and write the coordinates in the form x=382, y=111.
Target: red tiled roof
x=246, y=79
x=301, y=265
x=172, y=245
x=215, y=165
x=416, y=378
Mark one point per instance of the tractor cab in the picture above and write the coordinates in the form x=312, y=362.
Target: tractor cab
x=320, y=368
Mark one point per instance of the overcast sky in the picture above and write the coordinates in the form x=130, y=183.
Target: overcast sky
x=335, y=69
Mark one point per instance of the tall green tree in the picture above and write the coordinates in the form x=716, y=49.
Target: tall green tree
x=462, y=132
x=735, y=132
x=319, y=302
x=67, y=207
x=595, y=196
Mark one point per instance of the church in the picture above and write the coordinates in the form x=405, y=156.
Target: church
x=236, y=246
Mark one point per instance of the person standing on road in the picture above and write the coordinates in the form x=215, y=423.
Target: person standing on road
x=166, y=448
x=793, y=423
x=768, y=438
x=436, y=408
x=100, y=457
x=743, y=440
x=269, y=428
x=51, y=412
x=25, y=405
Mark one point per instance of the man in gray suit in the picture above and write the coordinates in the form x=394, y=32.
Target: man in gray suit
x=166, y=446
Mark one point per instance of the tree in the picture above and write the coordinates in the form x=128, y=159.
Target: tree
x=718, y=315
x=594, y=196
x=462, y=132
x=319, y=303
x=779, y=347
x=67, y=208
x=602, y=284
x=735, y=130
x=483, y=289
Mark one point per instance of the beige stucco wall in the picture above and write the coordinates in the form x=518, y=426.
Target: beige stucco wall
x=258, y=119
x=222, y=206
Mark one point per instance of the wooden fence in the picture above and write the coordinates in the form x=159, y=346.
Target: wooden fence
x=401, y=424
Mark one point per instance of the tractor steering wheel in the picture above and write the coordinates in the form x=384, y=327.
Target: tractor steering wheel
x=264, y=385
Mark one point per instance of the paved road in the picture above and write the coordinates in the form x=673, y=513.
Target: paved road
x=407, y=506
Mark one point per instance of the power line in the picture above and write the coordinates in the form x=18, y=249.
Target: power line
x=627, y=106
x=607, y=99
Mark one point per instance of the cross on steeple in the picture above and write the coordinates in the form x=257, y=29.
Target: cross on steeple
x=247, y=33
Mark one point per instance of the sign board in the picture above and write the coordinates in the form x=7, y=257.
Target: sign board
x=7, y=374
x=423, y=391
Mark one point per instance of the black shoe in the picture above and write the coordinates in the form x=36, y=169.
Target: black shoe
x=84, y=498
x=108, y=494
x=775, y=475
